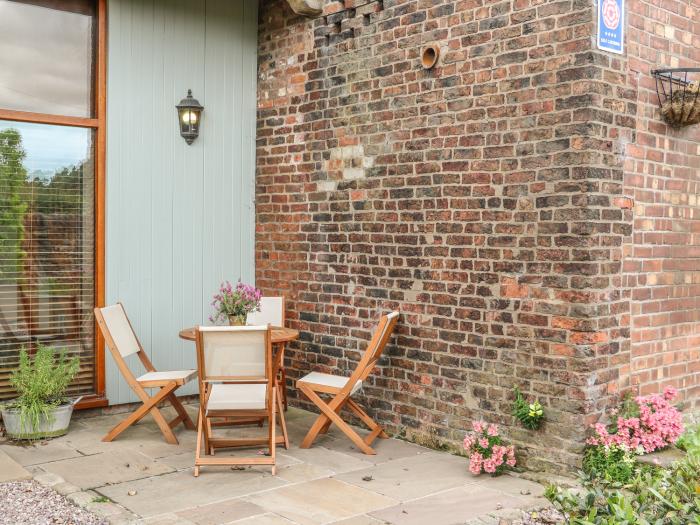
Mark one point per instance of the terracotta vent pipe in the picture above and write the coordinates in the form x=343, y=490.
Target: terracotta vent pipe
x=430, y=56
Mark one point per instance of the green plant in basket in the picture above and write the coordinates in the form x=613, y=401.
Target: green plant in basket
x=41, y=382
x=531, y=415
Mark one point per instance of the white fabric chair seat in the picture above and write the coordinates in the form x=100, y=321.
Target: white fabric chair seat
x=237, y=397
x=168, y=375
x=329, y=380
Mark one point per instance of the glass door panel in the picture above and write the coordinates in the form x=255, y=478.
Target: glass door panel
x=47, y=245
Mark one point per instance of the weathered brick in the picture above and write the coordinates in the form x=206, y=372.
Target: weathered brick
x=521, y=204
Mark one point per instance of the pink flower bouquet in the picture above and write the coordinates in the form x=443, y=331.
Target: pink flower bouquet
x=236, y=303
x=648, y=424
x=486, y=450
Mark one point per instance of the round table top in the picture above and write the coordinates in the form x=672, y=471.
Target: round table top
x=279, y=334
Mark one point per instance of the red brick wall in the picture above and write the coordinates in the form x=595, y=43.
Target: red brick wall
x=484, y=199
x=662, y=177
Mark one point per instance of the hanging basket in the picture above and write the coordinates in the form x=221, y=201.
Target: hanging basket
x=678, y=91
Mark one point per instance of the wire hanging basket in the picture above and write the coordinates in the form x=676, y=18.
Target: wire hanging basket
x=678, y=91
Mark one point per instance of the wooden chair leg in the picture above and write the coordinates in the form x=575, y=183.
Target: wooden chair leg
x=283, y=423
x=149, y=404
x=207, y=432
x=199, y=444
x=273, y=423
x=317, y=425
x=371, y=423
x=184, y=416
x=329, y=412
x=160, y=418
x=283, y=382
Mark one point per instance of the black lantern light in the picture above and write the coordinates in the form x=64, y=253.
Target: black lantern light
x=189, y=114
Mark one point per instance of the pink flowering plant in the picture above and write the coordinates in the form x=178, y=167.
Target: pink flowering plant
x=486, y=450
x=644, y=424
x=235, y=303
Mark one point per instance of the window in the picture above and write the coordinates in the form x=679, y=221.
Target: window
x=47, y=57
x=51, y=157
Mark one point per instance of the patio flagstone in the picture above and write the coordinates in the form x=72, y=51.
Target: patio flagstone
x=42, y=452
x=265, y=519
x=404, y=484
x=320, y=501
x=93, y=471
x=361, y=520
x=386, y=449
x=10, y=470
x=221, y=512
x=300, y=472
x=413, y=477
x=332, y=460
x=450, y=507
x=181, y=490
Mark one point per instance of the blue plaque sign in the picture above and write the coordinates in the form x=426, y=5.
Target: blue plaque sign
x=611, y=25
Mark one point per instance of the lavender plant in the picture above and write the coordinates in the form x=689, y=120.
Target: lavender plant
x=235, y=303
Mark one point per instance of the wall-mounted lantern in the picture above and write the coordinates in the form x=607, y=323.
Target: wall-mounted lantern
x=189, y=114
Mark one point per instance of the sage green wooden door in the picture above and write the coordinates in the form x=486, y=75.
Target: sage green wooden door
x=179, y=218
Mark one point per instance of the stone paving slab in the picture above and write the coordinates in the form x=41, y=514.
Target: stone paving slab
x=106, y=468
x=404, y=483
x=181, y=490
x=301, y=472
x=41, y=452
x=10, y=470
x=412, y=477
x=320, y=501
x=386, y=449
x=165, y=519
x=361, y=520
x=265, y=519
x=332, y=460
x=451, y=507
x=221, y=512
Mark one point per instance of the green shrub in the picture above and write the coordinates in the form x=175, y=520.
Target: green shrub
x=654, y=497
x=41, y=383
x=690, y=440
x=531, y=415
x=613, y=463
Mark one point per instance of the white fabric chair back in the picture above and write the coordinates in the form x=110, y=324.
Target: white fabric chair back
x=120, y=329
x=381, y=340
x=234, y=352
x=271, y=312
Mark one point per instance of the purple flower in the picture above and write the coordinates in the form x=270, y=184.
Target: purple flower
x=238, y=301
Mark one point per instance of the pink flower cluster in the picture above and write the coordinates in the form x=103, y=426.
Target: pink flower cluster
x=658, y=425
x=487, y=453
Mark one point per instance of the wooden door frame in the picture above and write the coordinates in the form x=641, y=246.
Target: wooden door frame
x=97, y=123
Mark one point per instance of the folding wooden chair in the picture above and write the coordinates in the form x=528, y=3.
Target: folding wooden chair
x=236, y=379
x=273, y=312
x=341, y=390
x=122, y=342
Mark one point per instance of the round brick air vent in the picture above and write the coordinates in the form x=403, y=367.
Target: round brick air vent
x=430, y=55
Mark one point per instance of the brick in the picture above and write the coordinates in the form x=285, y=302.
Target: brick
x=521, y=204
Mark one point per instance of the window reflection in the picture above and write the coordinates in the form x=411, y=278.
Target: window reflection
x=46, y=62
x=46, y=244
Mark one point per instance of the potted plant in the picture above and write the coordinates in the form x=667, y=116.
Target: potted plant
x=234, y=304
x=41, y=409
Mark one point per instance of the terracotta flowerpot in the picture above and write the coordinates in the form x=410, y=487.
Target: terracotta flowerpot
x=237, y=320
